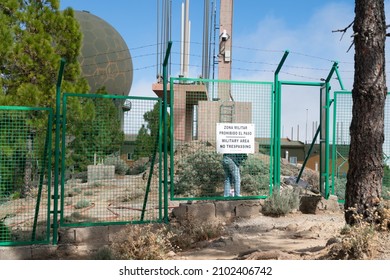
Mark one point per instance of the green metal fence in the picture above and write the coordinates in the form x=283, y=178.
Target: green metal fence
x=206, y=112
x=111, y=159
x=25, y=177
x=341, y=141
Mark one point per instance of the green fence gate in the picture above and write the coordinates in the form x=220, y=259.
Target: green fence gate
x=111, y=159
x=25, y=175
x=205, y=109
x=341, y=141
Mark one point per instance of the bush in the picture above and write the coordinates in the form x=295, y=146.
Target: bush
x=141, y=242
x=358, y=242
x=120, y=165
x=104, y=253
x=188, y=233
x=139, y=167
x=339, y=187
x=82, y=204
x=5, y=234
x=281, y=202
x=199, y=174
x=255, y=176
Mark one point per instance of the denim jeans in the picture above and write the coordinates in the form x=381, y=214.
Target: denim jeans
x=232, y=176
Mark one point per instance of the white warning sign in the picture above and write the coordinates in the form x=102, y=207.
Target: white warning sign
x=235, y=138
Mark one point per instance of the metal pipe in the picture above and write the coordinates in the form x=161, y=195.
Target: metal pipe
x=308, y=155
x=57, y=149
x=182, y=41
x=339, y=78
x=205, y=52
x=165, y=130
x=297, y=83
x=186, y=40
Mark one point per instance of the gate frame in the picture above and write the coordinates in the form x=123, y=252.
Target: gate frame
x=63, y=166
x=271, y=143
x=325, y=104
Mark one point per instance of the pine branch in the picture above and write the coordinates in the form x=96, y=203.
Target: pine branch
x=344, y=30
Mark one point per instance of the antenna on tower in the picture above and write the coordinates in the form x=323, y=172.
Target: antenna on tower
x=164, y=31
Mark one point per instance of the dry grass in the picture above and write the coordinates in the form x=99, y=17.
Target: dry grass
x=362, y=241
x=157, y=242
x=142, y=242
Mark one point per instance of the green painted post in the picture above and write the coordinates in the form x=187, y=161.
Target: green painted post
x=172, y=119
x=327, y=124
x=57, y=150
x=165, y=130
x=334, y=141
x=339, y=78
x=45, y=160
x=277, y=121
x=308, y=154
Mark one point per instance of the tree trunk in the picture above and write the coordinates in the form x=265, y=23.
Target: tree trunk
x=364, y=178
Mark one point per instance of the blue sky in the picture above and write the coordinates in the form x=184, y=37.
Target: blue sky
x=262, y=30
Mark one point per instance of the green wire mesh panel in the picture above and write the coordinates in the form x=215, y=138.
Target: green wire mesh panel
x=198, y=106
x=111, y=160
x=343, y=118
x=25, y=139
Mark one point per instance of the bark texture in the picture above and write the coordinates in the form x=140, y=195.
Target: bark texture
x=365, y=172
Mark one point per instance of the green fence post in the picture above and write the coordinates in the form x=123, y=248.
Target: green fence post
x=46, y=159
x=327, y=124
x=171, y=133
x=57, y=150
x=277, y=121
x=165, y=129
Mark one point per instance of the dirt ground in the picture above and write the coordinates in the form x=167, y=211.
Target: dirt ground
x=296, y=236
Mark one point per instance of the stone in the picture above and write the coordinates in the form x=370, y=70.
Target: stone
x=308, y=204
x=201, y=211
x=248, y=209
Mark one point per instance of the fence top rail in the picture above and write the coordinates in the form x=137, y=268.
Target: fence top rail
x=24, y=108
x=109, y=96
x=218, y=81
x=297, y=83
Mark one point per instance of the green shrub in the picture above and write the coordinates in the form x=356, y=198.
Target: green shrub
x=199, y=174
x=5, y=234
x=139, y=166
x=120, y=165
x=339, y=187
x=104, y=253
x=82, y=204
x=255, y=177
x=88, y=193
x=281, y=202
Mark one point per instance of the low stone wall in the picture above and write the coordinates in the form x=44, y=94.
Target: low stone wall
x=217, y=211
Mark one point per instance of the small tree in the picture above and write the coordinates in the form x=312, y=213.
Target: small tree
x=147, y=134
x=98, y=134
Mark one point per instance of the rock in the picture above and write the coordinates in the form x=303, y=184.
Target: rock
x=309, y=204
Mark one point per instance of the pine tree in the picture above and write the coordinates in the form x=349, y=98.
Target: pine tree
x=35, y=35
x=364, y=178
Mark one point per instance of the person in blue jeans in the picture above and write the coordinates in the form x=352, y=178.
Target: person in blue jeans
x=231, y=165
